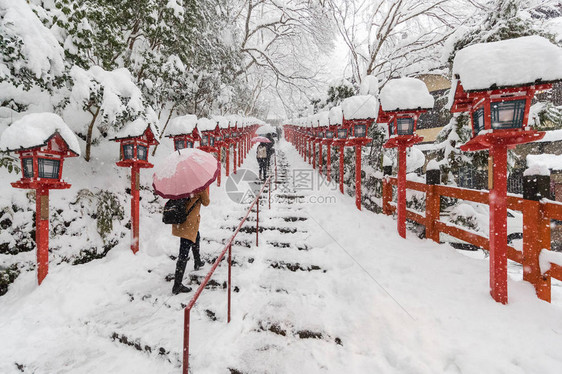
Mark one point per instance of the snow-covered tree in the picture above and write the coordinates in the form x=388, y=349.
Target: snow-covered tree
x=101, y=102
x=394, y=38
x=32, y=65
x=448, y=154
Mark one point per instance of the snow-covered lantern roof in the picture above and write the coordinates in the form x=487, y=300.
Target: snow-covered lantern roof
x=222, y=126
x=42, y=141
x=208, y=129
x=135, y=140
x=182, y=130
x=323, y=123
x=495, y=83
x=359, y=112
x=403, y=100
x=336, y=120
x=221, y=121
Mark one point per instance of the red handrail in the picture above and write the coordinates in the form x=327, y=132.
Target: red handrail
x=227, y=247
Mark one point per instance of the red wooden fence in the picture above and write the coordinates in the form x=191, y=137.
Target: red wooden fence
x=536, y=226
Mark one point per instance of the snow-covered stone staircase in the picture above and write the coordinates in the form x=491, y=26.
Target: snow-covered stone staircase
x=280, y=317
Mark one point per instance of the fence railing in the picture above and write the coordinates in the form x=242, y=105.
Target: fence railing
x=227, y=248
x=537, y=216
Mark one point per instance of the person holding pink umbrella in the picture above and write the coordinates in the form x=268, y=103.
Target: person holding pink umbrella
x=184, y=177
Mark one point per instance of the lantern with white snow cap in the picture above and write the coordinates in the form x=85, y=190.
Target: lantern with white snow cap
x=135, y=140
x=495, y=83
x=42, y=141
x=182, y=131
x=359, y=112
x=402, y=102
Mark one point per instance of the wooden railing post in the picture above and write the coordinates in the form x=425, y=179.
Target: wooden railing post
x=536, y=233
x=432, y=204
x=386, y=190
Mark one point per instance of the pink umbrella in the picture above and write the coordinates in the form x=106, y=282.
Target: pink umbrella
x=260, y=139
x=184, y=173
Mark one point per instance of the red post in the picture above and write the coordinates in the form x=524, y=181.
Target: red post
x=234, y=158
x=227, y=160
x=386, y=195
x=320, y=158
x=275, y=170
x=42, y=232
x=257, y=221
x=432, y=212
x=186, y=314
x=229, y=281
x=220, y=166
x=269, y=193
x=341, y=169
x=358, y=176
x=135, y=208
x=329, y=163
x=313, y=154
x=498, y=224
x=240, y=153
x=536, y=236
x=401, y=196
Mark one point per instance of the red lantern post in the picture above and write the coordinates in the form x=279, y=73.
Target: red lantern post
x=499, y=118
x=134, y=143
x=328, y=140
x=335, y=121
x=42, y=141
x=323, y=122
x=340, y=143
x=359, y=112
x=402, y=102
x=210, y=139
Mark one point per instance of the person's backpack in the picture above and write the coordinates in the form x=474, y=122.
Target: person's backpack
x=174, y=211
x=262, y=152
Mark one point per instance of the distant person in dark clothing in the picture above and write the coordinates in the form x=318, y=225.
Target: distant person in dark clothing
x=270, y=149
x=261, y=155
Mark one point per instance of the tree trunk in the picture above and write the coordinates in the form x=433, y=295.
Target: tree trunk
x=164, y=128
x=89, y=136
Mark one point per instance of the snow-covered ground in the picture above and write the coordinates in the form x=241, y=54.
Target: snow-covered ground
x=330, y=289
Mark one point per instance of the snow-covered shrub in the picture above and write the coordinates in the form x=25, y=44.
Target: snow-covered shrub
x=465, y=215
x=11, y=163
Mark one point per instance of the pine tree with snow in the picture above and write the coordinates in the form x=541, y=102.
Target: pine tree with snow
x=448, y=154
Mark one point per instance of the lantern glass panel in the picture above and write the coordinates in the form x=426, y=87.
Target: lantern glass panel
x=329, y=134
x=218, y=139
x=27, y=167
x=211, y=141
x=180, y=144
x=405, y=126
x=478, y=120
x=49, y=168
x=321, y=135
x=128, y=151
x=204, y=140
x=508, y=114
x=360, y=131
x=189, y=144
x=142, y=152
x=342, y=133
